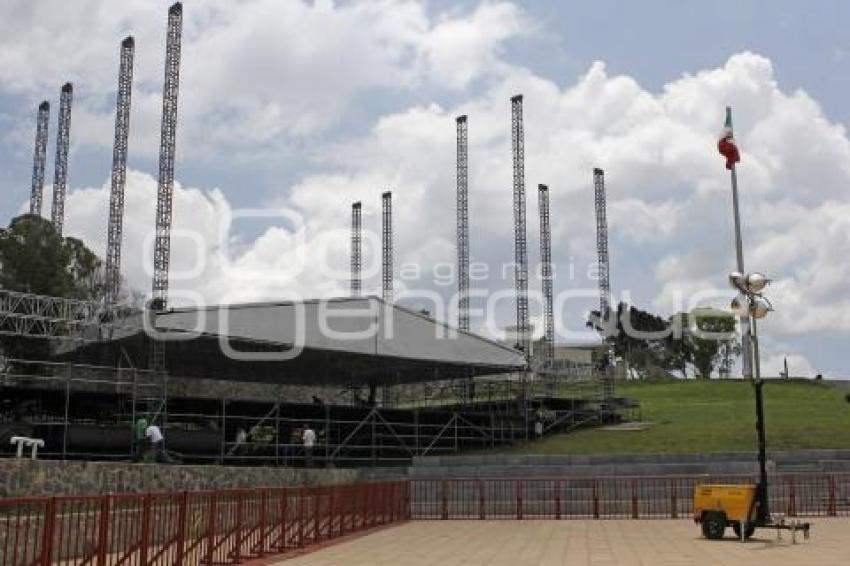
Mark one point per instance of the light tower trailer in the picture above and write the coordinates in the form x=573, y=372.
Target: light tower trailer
x=743, y=507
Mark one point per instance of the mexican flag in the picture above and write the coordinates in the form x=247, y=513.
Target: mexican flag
x=726, y=146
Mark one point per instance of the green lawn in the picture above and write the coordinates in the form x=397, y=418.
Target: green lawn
x=717, y=416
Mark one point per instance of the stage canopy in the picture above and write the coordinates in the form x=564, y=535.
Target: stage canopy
x=317, y=342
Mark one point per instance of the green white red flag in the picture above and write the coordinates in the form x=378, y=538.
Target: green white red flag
x=726, y=146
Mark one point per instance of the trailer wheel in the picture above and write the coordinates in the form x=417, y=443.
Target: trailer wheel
x=713, y=525
x=748, y=532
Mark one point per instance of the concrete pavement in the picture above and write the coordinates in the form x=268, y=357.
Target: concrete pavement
x=580, y=543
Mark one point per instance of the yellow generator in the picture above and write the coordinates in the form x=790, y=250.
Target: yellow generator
x=719, y=506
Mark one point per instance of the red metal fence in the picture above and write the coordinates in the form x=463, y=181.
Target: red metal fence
x=188, y=528
x=612, y=497
x=231, y=526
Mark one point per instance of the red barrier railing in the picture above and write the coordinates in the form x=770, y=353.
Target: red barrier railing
x=190, y=528
x=231, y=526
x=612, y=497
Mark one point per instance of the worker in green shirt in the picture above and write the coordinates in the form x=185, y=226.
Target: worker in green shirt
x=140, y=438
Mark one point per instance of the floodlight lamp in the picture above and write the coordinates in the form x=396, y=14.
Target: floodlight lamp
x=736, y=279
x=760, y=307
x=756, y=282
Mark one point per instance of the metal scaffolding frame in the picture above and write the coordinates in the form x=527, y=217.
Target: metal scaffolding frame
x=164, y=197
x=437, y=417
x=119, y=171
x=520, y=243
x=356, y=248
x=462, y=224
x=604, y=275
x=39, y=316
x=39, y=157
x=167, y=147
x=86, y=412
x=60, y=177
x=546, y=276
x=602, y=243
x=387, y=246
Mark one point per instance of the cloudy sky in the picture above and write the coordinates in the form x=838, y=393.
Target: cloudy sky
x=289, y=111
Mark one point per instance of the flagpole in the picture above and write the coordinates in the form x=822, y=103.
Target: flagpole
x=746, y=351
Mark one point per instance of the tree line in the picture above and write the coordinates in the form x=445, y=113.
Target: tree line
x=36, y=259
x=704, y=340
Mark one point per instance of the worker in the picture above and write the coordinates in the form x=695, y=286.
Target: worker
x=140, y=438
x=308, y=437
x=239, y=445
x=538, y=424
x=156, y=444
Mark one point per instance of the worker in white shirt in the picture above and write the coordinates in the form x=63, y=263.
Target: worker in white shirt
x=156, y=444
x=308, y=438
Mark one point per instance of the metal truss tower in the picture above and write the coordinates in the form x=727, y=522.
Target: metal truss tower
x=602, y=244
x=387, y=246
x=356, y=242
x=462, y=224
x=165, y=189
x=60, y=177
x=165, y=192
x=546, y=276
x=40, y=157
x=604, y=278
x=520, y=244
x=119, y=172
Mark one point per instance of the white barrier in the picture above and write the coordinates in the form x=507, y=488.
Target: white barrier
x=33, y=443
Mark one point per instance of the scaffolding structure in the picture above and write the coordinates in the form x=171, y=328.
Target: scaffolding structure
x=603, y=273
x=86, y=412
x=119, y=171
x=602, y=244
x=356, y=248
x=60, y=177
x=157, y=402
x=462, y=224
x=546, y=276
x=167, y=147
x=387, y=246
x=39, y=158
x=520, y=243
x=40, y=316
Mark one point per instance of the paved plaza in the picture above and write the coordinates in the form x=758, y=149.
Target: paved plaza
x=577, y=543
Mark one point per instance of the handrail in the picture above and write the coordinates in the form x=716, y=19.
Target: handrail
x=195, y=527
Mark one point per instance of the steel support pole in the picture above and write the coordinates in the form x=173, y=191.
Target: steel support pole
x=758, y=384
x=277, y=435
x=327, y=435
x=746, y=359
x=67, y=411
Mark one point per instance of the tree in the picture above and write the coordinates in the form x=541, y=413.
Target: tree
x=703, y=339
x=644, y=340
x=710, y=338
x=35, y=259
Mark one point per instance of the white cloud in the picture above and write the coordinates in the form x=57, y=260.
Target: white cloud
x=459, y=50
x=253, y=73
x=798, y=366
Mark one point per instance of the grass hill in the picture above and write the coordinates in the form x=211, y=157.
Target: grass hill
x=717, y=416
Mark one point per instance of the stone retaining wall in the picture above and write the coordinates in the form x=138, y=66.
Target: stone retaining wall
x=20, y=478
x=595, y=465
